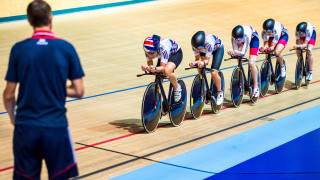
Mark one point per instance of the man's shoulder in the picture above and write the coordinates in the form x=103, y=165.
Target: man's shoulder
x=61, y=42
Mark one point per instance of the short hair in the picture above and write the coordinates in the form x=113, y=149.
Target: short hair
x=39, y=12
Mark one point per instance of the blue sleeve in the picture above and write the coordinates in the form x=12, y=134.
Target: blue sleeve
x=12, y=75
x=75, y=68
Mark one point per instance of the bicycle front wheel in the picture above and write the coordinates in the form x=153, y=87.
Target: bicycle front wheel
x=265, y=73
x=237, y=87
x=151, y=108
x=299, y=73
x=197, y=96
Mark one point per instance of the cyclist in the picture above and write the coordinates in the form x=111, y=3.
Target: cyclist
x=242, y=37
x=278, y=39
x=204, y=46
x=306, y=37
x=169, y=56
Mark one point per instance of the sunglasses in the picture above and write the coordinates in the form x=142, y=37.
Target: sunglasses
x=268, y=31
x=199, y=47
x=300, y=33
x=151, y=52
x=237, y=39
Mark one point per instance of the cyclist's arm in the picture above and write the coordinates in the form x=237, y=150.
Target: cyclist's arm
x=301, y=45
x=199, y=59
x=160, y=69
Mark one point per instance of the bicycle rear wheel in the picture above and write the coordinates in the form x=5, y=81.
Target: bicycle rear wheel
x=265, y=73
x=251, y=84
x=151, y=108
x=280, y=81
x=237, y=87
x=178, y=109
x=299, y=73
x=197, y=96
x=214, y=91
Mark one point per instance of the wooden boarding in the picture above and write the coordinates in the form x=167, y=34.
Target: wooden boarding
x=109, y=43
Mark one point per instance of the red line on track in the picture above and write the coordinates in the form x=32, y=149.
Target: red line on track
x=131, y=134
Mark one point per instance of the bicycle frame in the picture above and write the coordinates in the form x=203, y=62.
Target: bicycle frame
x=158, y=81
x=269, y=64
x=242, y=73
x=203, y=73
x=301, y=56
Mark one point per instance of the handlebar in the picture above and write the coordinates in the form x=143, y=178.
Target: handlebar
x=238, y=57
x=196, y=66
x=303, y=50
x=269, y=53
x=153, y=74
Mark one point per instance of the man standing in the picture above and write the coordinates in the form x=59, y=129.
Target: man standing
x=41, y=65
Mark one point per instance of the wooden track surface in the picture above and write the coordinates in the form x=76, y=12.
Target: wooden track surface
x=109, y=43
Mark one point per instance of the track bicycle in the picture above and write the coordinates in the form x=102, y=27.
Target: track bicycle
x=153, y=107
x=302, y=68
x=269, y=76
x=201, y=93
x=240, y=84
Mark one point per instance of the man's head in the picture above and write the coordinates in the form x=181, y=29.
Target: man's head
x=39, y=13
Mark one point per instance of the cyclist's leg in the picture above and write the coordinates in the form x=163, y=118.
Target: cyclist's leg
x=254, y=48
x=168, y=71
x=311, y=45
x=310, y=56
x=216, y=62
x=172, y=64
x=252, y=65
x=279, y=48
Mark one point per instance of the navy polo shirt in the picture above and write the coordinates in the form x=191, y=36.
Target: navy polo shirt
x=41, y=65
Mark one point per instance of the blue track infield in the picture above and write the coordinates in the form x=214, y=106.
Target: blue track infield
x=287, y=148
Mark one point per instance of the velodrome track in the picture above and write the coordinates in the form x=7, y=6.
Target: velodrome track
x=106, y=126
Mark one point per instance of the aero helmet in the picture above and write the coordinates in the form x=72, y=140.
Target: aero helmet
x=198, y=40
x=151, y=44
x=301, y=28
x=237, y=33
x=268, y=25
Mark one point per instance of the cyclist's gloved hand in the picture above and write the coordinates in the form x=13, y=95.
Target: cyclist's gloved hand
x=230, y=52
x=201, y=64
x=267, y=49
x=261, y=49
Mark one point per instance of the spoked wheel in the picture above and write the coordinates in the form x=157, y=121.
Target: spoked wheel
x=178, y=109
x=265, y=73
x=237, y=87
x=299, y=73
x=216, y=108
x=280, y=81
x=307, y=71
x=151, y=108
x=251, y=84
x=197, y=96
